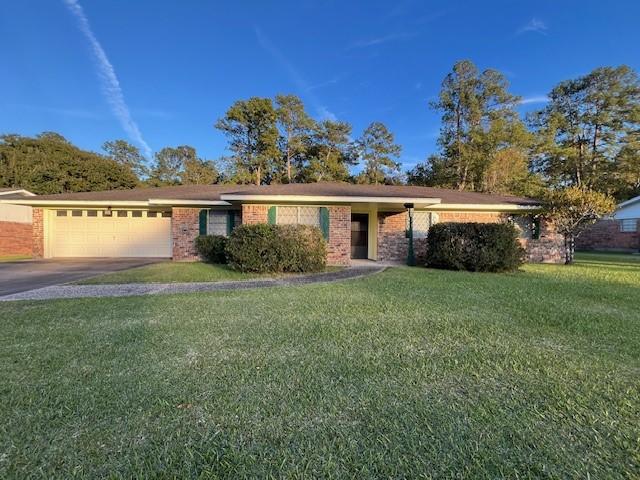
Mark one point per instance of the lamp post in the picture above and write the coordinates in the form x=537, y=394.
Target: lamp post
x=411, y=257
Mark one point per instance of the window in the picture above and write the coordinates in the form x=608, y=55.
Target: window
x=421, y=224
x=136, y=214
x=76, y=213
x=217, y=224
x=92, y=213
x=166, y=214
x=298, y=216
x=152, y=214
x=61, y=213
x=122, y=213
x=629, y=225
x=220, y=221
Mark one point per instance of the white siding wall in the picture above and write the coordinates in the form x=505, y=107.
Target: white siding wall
x=630, y=211
x=15, y=213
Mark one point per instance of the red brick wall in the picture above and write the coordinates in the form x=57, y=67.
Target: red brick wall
x=185, y=228
x=392, y=240
x=606, y=235
x=252, y=214
x=339, y=247
x=549, y=248
x=16, y=238
x=393, y=244
x=38, y=233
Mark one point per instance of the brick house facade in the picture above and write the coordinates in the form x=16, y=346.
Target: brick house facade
x=376, y=212
x=393, y=244
x=607, y=234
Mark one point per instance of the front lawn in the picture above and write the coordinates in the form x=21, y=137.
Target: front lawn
x=171, y=272
x=404, y=374
x=176, y=272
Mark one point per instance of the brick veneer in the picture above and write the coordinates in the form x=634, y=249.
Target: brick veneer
x=393, y=244
x=184, y=230
x=37, y=228
x=252, y=214
x=339, y=247
x=16, y=238
x=605, y=234
x=548, y=248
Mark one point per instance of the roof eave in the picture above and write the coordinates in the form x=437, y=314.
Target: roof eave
x=234, y=197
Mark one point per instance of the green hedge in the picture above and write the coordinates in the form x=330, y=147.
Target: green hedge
x=476, y=247
x=277, y=248
x=212, y=248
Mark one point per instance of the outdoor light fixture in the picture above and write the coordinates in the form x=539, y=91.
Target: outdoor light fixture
x=411, y=257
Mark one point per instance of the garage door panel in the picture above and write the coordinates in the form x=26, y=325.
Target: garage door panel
x=114, y=236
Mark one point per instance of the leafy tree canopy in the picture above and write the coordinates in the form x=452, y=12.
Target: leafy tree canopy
x=48, y=163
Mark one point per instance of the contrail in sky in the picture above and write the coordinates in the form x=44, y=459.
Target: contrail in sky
x=110, y=84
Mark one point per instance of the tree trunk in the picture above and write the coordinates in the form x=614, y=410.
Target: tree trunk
x=258, y=175
x=569, y=248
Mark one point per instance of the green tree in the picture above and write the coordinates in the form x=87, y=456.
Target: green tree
x=48, y=163
x=378, y=150
x=128, y=155
x=181, y=166
x=295, y=129
x=573, y=209
x=478, y=119
x=330, y=153
x=250, y=126
x=197, y=171
x=583, y=128
x=433, y=172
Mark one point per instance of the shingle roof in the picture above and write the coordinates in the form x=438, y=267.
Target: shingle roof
x=213, y=192
x=16, y=193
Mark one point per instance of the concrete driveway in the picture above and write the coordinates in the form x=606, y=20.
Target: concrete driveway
x=31, y=274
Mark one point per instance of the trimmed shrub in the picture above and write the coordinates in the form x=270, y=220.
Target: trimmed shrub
x=476, y=247
x=212, y=248
x=277, y=248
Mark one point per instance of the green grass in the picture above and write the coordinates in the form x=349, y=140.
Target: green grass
x=14, y=258
x=407, y=373
x=169, y=272
x=174, y=272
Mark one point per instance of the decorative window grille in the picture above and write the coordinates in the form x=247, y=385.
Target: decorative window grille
x=422, y=221
x=298, y=216
x=629, y=225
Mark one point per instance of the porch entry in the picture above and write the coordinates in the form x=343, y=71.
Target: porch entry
x=359, y=235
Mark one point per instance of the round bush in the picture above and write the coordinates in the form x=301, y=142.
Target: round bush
x=212, y=248
x=476, y=247
x=277, y=248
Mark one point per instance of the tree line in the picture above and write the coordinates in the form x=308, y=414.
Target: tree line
x=586, y=135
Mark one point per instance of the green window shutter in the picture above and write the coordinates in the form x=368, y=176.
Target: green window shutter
x=324, y=222
x=231, y=221
x=271, y=217
x=202, y=221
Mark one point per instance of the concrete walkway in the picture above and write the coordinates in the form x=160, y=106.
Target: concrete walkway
x=134, y=289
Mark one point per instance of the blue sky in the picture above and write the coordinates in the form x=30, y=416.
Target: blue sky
x=159, y=73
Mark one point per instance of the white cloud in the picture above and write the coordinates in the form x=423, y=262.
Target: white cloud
x=110, y=84
x=534, y=25
x=534, y=99
x=370, y=42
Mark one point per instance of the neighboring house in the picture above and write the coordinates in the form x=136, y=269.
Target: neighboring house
x=15, y=223
x=619, y=232
x=358, y=221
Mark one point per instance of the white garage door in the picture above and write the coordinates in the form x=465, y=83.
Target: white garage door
x=125, y=233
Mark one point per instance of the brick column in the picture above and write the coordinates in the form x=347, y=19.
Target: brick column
x=549, y=248
x=38, y=233
x=339, y=246
x=393, y=244
x=185, y=228
x=252, y=214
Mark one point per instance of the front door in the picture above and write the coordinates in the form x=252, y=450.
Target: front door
x=359, y=235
